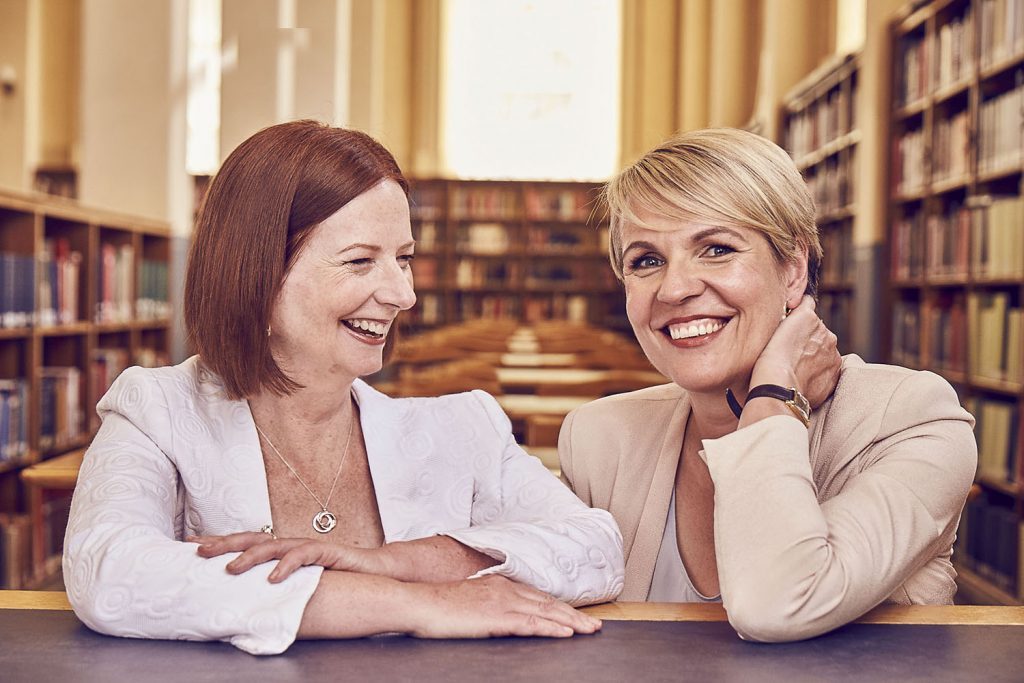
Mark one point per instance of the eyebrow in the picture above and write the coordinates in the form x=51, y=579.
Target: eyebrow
x=696, y=237
x=372, y=247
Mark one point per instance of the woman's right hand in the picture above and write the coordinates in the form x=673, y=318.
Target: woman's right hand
x=492, y=606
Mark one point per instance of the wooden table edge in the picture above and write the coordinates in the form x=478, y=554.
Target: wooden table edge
x=662, y=611
x=883, y=614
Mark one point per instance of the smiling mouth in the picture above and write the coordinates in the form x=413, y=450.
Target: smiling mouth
x=694, y=329
x=371, y=329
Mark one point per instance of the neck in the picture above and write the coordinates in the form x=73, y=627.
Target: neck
x=309, y=415
x=710, y=414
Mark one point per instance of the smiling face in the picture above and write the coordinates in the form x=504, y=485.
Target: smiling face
x=340, y=299
x=704, y=300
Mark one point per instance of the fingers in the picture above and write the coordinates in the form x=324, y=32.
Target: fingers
x=264, y=552
x=559, y=612
x=212, y=546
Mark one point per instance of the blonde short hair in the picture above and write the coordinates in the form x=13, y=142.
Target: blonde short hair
x=723, y=177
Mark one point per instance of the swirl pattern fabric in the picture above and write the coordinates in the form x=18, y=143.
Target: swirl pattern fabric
x=174, y=457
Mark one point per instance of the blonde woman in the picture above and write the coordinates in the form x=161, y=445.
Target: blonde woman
x=798, y=488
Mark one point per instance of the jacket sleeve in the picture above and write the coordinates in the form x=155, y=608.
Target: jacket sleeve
x=791, y=568
x=127, y=571
x=543, y=534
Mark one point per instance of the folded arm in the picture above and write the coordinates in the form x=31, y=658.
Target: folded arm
x=792, y=568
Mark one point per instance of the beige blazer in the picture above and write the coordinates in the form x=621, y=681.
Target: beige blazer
x=813, y=527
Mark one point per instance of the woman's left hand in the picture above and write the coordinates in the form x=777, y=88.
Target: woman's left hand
x=292, y=553
x=802, y=353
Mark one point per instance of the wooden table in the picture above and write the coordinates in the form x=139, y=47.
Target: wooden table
x=60, y=473
x=538, y=360
x=643, y=642
x=520, y=406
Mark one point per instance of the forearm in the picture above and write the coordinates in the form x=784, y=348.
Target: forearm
x=351, y=605
x=435, y=559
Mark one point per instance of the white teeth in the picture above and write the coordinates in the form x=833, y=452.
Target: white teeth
x=372, y=326
x=684, y=331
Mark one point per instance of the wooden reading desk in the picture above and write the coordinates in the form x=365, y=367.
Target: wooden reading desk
x=639, y=642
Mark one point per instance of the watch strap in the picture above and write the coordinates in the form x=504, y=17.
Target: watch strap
x=793, y=399
x=772, y=391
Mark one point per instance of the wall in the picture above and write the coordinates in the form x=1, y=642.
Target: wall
x=14, y=15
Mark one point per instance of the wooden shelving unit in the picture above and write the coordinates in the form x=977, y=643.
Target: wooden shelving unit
x=526, y=251
x=90, y=296
x=820, y=132
x=956, y=243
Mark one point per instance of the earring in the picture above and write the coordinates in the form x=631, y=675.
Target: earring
x=268, y=330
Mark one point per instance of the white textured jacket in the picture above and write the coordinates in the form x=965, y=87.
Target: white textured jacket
x=175, y=457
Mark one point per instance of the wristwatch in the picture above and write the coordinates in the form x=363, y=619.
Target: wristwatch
x=793, y=399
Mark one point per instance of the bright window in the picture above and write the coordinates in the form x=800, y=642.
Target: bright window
x=531, y=88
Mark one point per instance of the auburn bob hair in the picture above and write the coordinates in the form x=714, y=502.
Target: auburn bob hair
x=262, y=206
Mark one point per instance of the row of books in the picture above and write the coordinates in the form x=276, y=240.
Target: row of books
x=489, y=202
x=832, y=185
x=997, y=250
x=996, y=329
x=17, y=304
x=485, y=202
x=927, y=64
x=61, y=418
x=1002, y=30
x=59, y=269
x=836, y=312
x=912, y=76
x=473, y=272
x=561, y=204
x=984, y=239
x=996, y=430
x=906, y=335
x=104, y=368
x=114, y=283
x=1000, y=136
x=15, y=551
x=945, y=324
x=153, y=301
x=951, y=150
x=482, y=238
x=989, y=542
x=837, y=244
x=987, y=338
x=954, y=50
x=13, y=419
x=426, y=202
x=908, y=162
x=565, y=239
x=823, y=121
x=57, y=300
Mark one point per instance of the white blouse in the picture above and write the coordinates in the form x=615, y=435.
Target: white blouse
x=671, y=583
x=174, y=457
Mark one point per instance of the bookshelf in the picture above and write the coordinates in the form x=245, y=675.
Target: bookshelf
x=526, y=251
x=83, y=294
x=956, y=251
x=819, y=130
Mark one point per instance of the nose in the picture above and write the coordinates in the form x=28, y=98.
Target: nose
x=680, y=282
x=396, y=288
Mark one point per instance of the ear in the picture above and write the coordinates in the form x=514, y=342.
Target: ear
x=794, y=272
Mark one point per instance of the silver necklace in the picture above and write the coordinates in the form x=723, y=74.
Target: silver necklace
x=325, y=520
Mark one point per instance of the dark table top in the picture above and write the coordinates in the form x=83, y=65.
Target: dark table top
x=37, y=645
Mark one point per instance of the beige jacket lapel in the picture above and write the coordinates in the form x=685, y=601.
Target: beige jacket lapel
x=642, y=555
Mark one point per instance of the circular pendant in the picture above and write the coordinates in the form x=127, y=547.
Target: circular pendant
x=324, y=522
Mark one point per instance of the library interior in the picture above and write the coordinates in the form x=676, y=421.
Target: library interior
x=905, y=119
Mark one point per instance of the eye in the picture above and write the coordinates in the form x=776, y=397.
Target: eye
x=718, y=250
x=645, y=262
x=360, y=263
x=405, y=261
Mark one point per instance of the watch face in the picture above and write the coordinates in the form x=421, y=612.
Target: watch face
x=801, y=402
